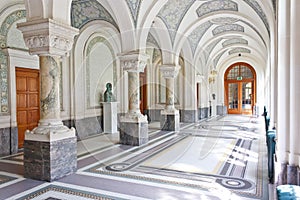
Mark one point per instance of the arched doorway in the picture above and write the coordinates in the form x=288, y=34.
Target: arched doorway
x=240, y=88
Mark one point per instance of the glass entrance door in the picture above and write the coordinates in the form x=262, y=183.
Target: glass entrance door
x=233, y=98
x=240, y=88
x=240, y=97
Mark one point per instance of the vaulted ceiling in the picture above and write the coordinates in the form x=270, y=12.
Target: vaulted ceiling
x=212, y=29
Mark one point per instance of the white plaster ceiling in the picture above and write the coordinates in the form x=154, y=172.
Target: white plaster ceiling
x=203, y=25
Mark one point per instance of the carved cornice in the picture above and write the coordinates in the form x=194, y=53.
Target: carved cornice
x=169, y=71
x=48, y=37
x=133, y=61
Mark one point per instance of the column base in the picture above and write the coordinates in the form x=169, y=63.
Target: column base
x=292, y=174
x=169, y=120
x=280, y=173
x=50, y=152
x=134, y=129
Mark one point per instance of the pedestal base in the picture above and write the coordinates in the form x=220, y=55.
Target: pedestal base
x=49, y=161
x=110, y=118
x=169, y=121
x=133, y=133
x=50, y=152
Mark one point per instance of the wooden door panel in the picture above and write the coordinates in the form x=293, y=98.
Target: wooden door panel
x=28, y=113
x=21, y=84
x=32, y=83
x=33, y=101
x=21, y=135
x=21, y=101
x=22, y=117
x=32, y=116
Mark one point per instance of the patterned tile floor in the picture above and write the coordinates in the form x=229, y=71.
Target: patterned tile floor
x=221, y=158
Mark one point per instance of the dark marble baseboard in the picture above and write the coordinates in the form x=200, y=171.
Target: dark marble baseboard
x=203, y=113
x=88, y=127
x=169, y=122
x=188, y=116
x=49, y=161
x=292, y=174
x=8, y=141
x=221, y=110
x=154, y=115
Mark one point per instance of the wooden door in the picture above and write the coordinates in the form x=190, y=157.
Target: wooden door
x=28, y=98
x=143, y=92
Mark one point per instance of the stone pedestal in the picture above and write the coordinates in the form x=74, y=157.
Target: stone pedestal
x=133, y=129
x=51, y=156
x=169, y=120
x=110, y=119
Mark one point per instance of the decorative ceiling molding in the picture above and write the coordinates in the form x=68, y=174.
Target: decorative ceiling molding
x=195, y=37
x=224, y=20
x=134, y=6
x=256, y=7
x=156, y=54
x=84, y=11
x=152, y=40
x=218, y=57
x=234, y=41
x=227, y=28
x=172, y=14
x=210, y=48
x=239, y=50
x=216, y=5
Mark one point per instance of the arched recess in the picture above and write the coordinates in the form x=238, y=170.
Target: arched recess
x=240, y=88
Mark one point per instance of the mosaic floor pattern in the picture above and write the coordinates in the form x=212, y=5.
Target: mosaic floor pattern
x=221, y=158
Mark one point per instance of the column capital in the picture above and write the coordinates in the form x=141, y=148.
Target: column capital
x=133, y=61
x=169, y=71
x=48, y=37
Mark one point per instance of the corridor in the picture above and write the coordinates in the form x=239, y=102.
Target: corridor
x=218, y=158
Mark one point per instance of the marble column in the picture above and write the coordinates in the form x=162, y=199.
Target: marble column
x=134, y=125
x=170, y=115
x=283, y=116
x=50, y=150
x=294, y=94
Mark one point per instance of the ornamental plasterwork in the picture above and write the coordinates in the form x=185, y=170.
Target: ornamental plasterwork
x=234, y=41
x=210, y=48
x=4, y=29
x=172, y=14
x=224, y=20
x=169, y=71
x=239, y=50
x=195, y=37
x=84, y=11
x=133, y=65
x=217, y=58
x=227, y=28
x=216, y=5
x=156, y=54
x=256, y=7
x=48, y=37
x=134, y=6
x=152, y=40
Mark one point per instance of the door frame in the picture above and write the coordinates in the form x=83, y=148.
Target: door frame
x=240, y=82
